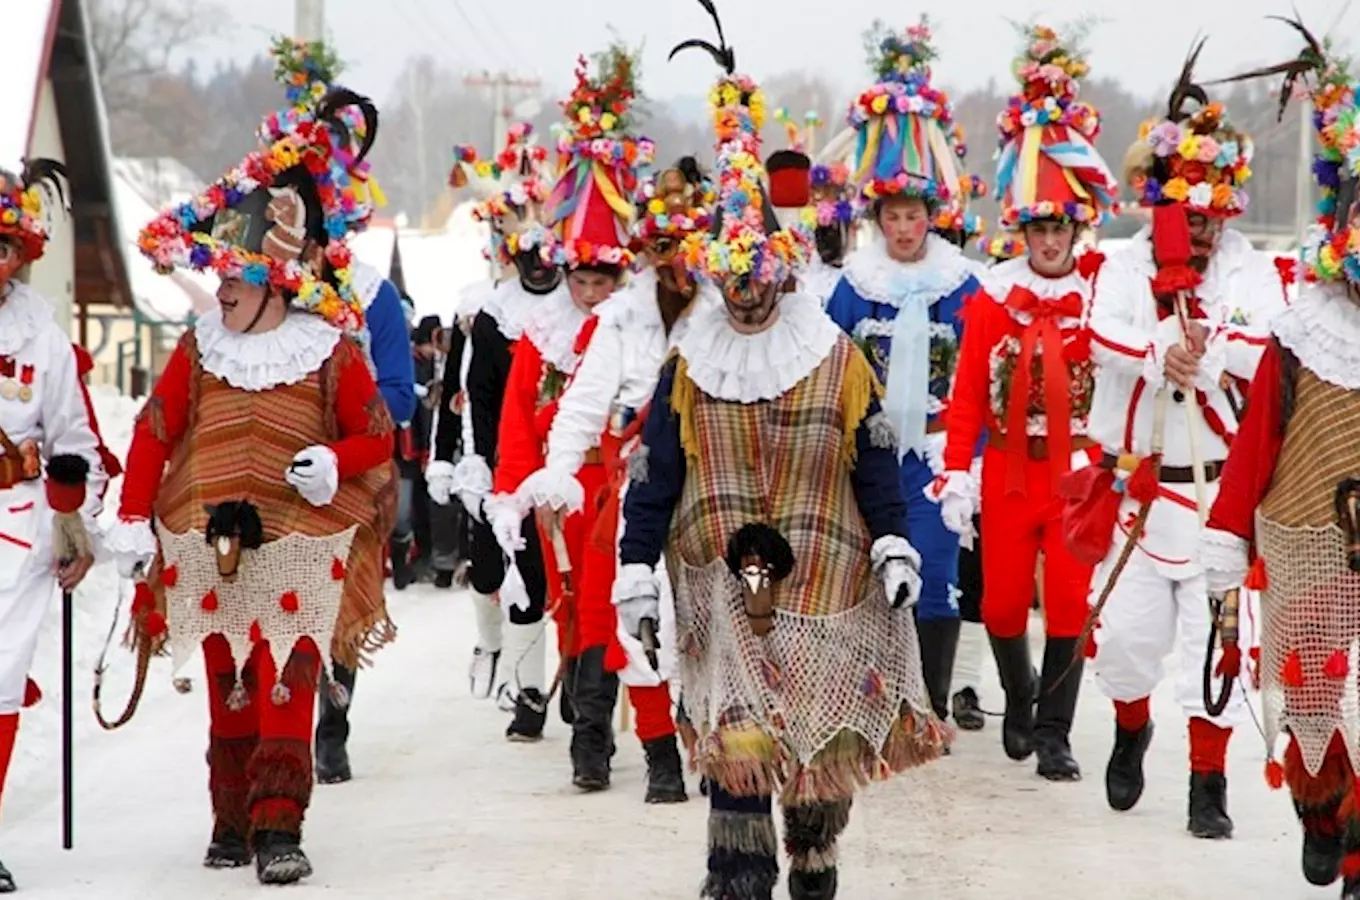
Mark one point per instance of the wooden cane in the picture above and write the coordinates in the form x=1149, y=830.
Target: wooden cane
x=1194, y=417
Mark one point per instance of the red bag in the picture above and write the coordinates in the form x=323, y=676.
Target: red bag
x=1090, y=512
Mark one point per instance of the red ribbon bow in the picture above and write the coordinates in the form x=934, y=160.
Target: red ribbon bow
x=1043, y=329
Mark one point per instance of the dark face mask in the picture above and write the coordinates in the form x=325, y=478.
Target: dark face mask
x=830, y=241
x=537, y=276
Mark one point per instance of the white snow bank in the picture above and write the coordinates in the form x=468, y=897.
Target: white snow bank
x=437, y=265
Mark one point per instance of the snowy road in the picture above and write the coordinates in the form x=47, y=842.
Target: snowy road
x=442, y=807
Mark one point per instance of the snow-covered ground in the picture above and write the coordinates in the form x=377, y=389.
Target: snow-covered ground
x=443, y=807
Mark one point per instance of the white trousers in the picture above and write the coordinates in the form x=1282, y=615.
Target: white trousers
x=27, y=586
x=1149, y=615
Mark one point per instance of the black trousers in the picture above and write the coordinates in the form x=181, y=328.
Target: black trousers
x=487, y=569
x=970, y=578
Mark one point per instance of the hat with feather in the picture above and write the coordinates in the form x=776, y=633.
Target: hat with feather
x=747, y=244
x=26, y=200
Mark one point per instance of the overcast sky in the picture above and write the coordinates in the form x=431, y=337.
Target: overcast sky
x=1141, y=42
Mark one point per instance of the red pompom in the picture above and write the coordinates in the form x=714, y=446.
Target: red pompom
x=1292, y=672
x=1256, y=576
x=1088, y=649
x=1274, y=775
x=155, y=623
x=1231, y=662
x=209, y=602
x=1338, y=665
x=32, y=693
x=256, y=633
x=142, y=599
x=1089, y=263
x=170, y=576
x=338, y=569
x=1142, y=486
x=289, y=601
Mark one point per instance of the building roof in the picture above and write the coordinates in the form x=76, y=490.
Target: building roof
x=163, y=298
x=30, y=26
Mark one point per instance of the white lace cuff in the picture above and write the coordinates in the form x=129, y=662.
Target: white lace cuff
x=893, y=546
x=471, y=476
x=131, y=538
x=954, y=483
x=1213, y=364
x=554, y=488
x=494, y=504
x=635, y=580
x=439, y=470
x=1154, y=362
x=1224, y=557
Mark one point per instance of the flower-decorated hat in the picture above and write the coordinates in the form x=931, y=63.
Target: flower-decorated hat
x=1002, y=246
x=590, y=209
x=955, y=221
x=1196, y=159
x=1047, y=164
x=747, y=244
x=905, y=126
x=518, y=188
x=25, y=205
x=280, y=217
x=674, y=204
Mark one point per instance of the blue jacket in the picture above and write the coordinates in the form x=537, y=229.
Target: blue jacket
x=389, y=345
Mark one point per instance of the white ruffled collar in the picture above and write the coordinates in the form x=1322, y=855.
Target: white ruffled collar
x=366, y=281
x=1322, y=329
x=820, y=279
x=634, y=304
x=472, y=299
x=553, y=326
x=1018, y=272
x=750, y=368
x=22, y=316
x=878, y=277
x=509, y=305
x=260, y=362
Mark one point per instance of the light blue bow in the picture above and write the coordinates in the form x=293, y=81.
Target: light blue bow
x=908, y=388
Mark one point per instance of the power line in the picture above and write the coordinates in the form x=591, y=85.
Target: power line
x=496, y=29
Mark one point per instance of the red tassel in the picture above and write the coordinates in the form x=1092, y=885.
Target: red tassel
x=170, y=576
x=337, y=569
x=209, y=602
x=1170, y=235
x=1256, y=576
x=142, y=599
x=1292, y=673
x=1231, y=661
x=256, y=633
x=1286, y=266
x=289, y=601
x=1274, y=775
x=32, y=693
x=615, y=657
x=1338, y=665
x=1142, y=486
x=1088, y=650
x=155, y=623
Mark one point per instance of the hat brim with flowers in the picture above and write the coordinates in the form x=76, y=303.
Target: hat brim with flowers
x=907, y=141
x=25, y=205
x=747, y=245
x=674, y=204
x=264, y=219
x=1047, y=163
x=1198, y=159
x=518, y=188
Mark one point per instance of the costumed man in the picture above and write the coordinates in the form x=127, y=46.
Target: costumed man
x=591, y=215
x=1025, y=378
x=900, y=300
x=497, y=311
x=307, y=71
x=264, y=458
x=53, y=469
x=602, y=411
x=772, y=488
x=1177, y=315
x=1286, y=520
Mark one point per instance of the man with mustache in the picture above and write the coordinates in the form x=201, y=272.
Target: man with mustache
x=492, y=316
x=1178, y=318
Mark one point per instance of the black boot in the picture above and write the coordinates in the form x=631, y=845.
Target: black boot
x=594, y=694
x=332, y=726
x=1057, y=706
x=939, y=640
x=227, y=851
x=812, y=885
x=443, y=579
x=665, y=772
x=279, y=858
x=1124, y=774
x=1350, y=889
x=531, y=712
x=7, y=885
x=403, y=574
x=1017, y=679
x=1322, y=846
x=967, y=712
x=1209, y=806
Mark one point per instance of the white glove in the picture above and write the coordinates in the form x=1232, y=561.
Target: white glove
x=899, y=565
x=956, y=492
x=505, y=520
x=637, y=597
x=315, y=473
x=472, y=482
x=133, y=545
x=472, y=502
x=439, y=481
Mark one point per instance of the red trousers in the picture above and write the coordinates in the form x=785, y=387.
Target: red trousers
x=260, y=750
x=587, y=619
x=1015, y=528
x=9, y=731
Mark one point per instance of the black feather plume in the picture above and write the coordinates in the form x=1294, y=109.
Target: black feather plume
x=1185, y=88
x=1313, y=58
x=69, y=469
x=689, y=167
x=337, y=99
x=50, y=174
x=723, y=55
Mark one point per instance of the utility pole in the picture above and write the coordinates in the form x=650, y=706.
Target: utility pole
x=309, y=20
x=501, y=111
x=1303, y=175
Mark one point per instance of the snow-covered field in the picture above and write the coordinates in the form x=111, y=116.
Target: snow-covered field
x=443, y=807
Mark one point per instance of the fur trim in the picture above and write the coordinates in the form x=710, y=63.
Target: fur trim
x=742, y=856
x=228, y=785
x=638, y=471
x=280, y=776
x=882, y=435
x=810, y=833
